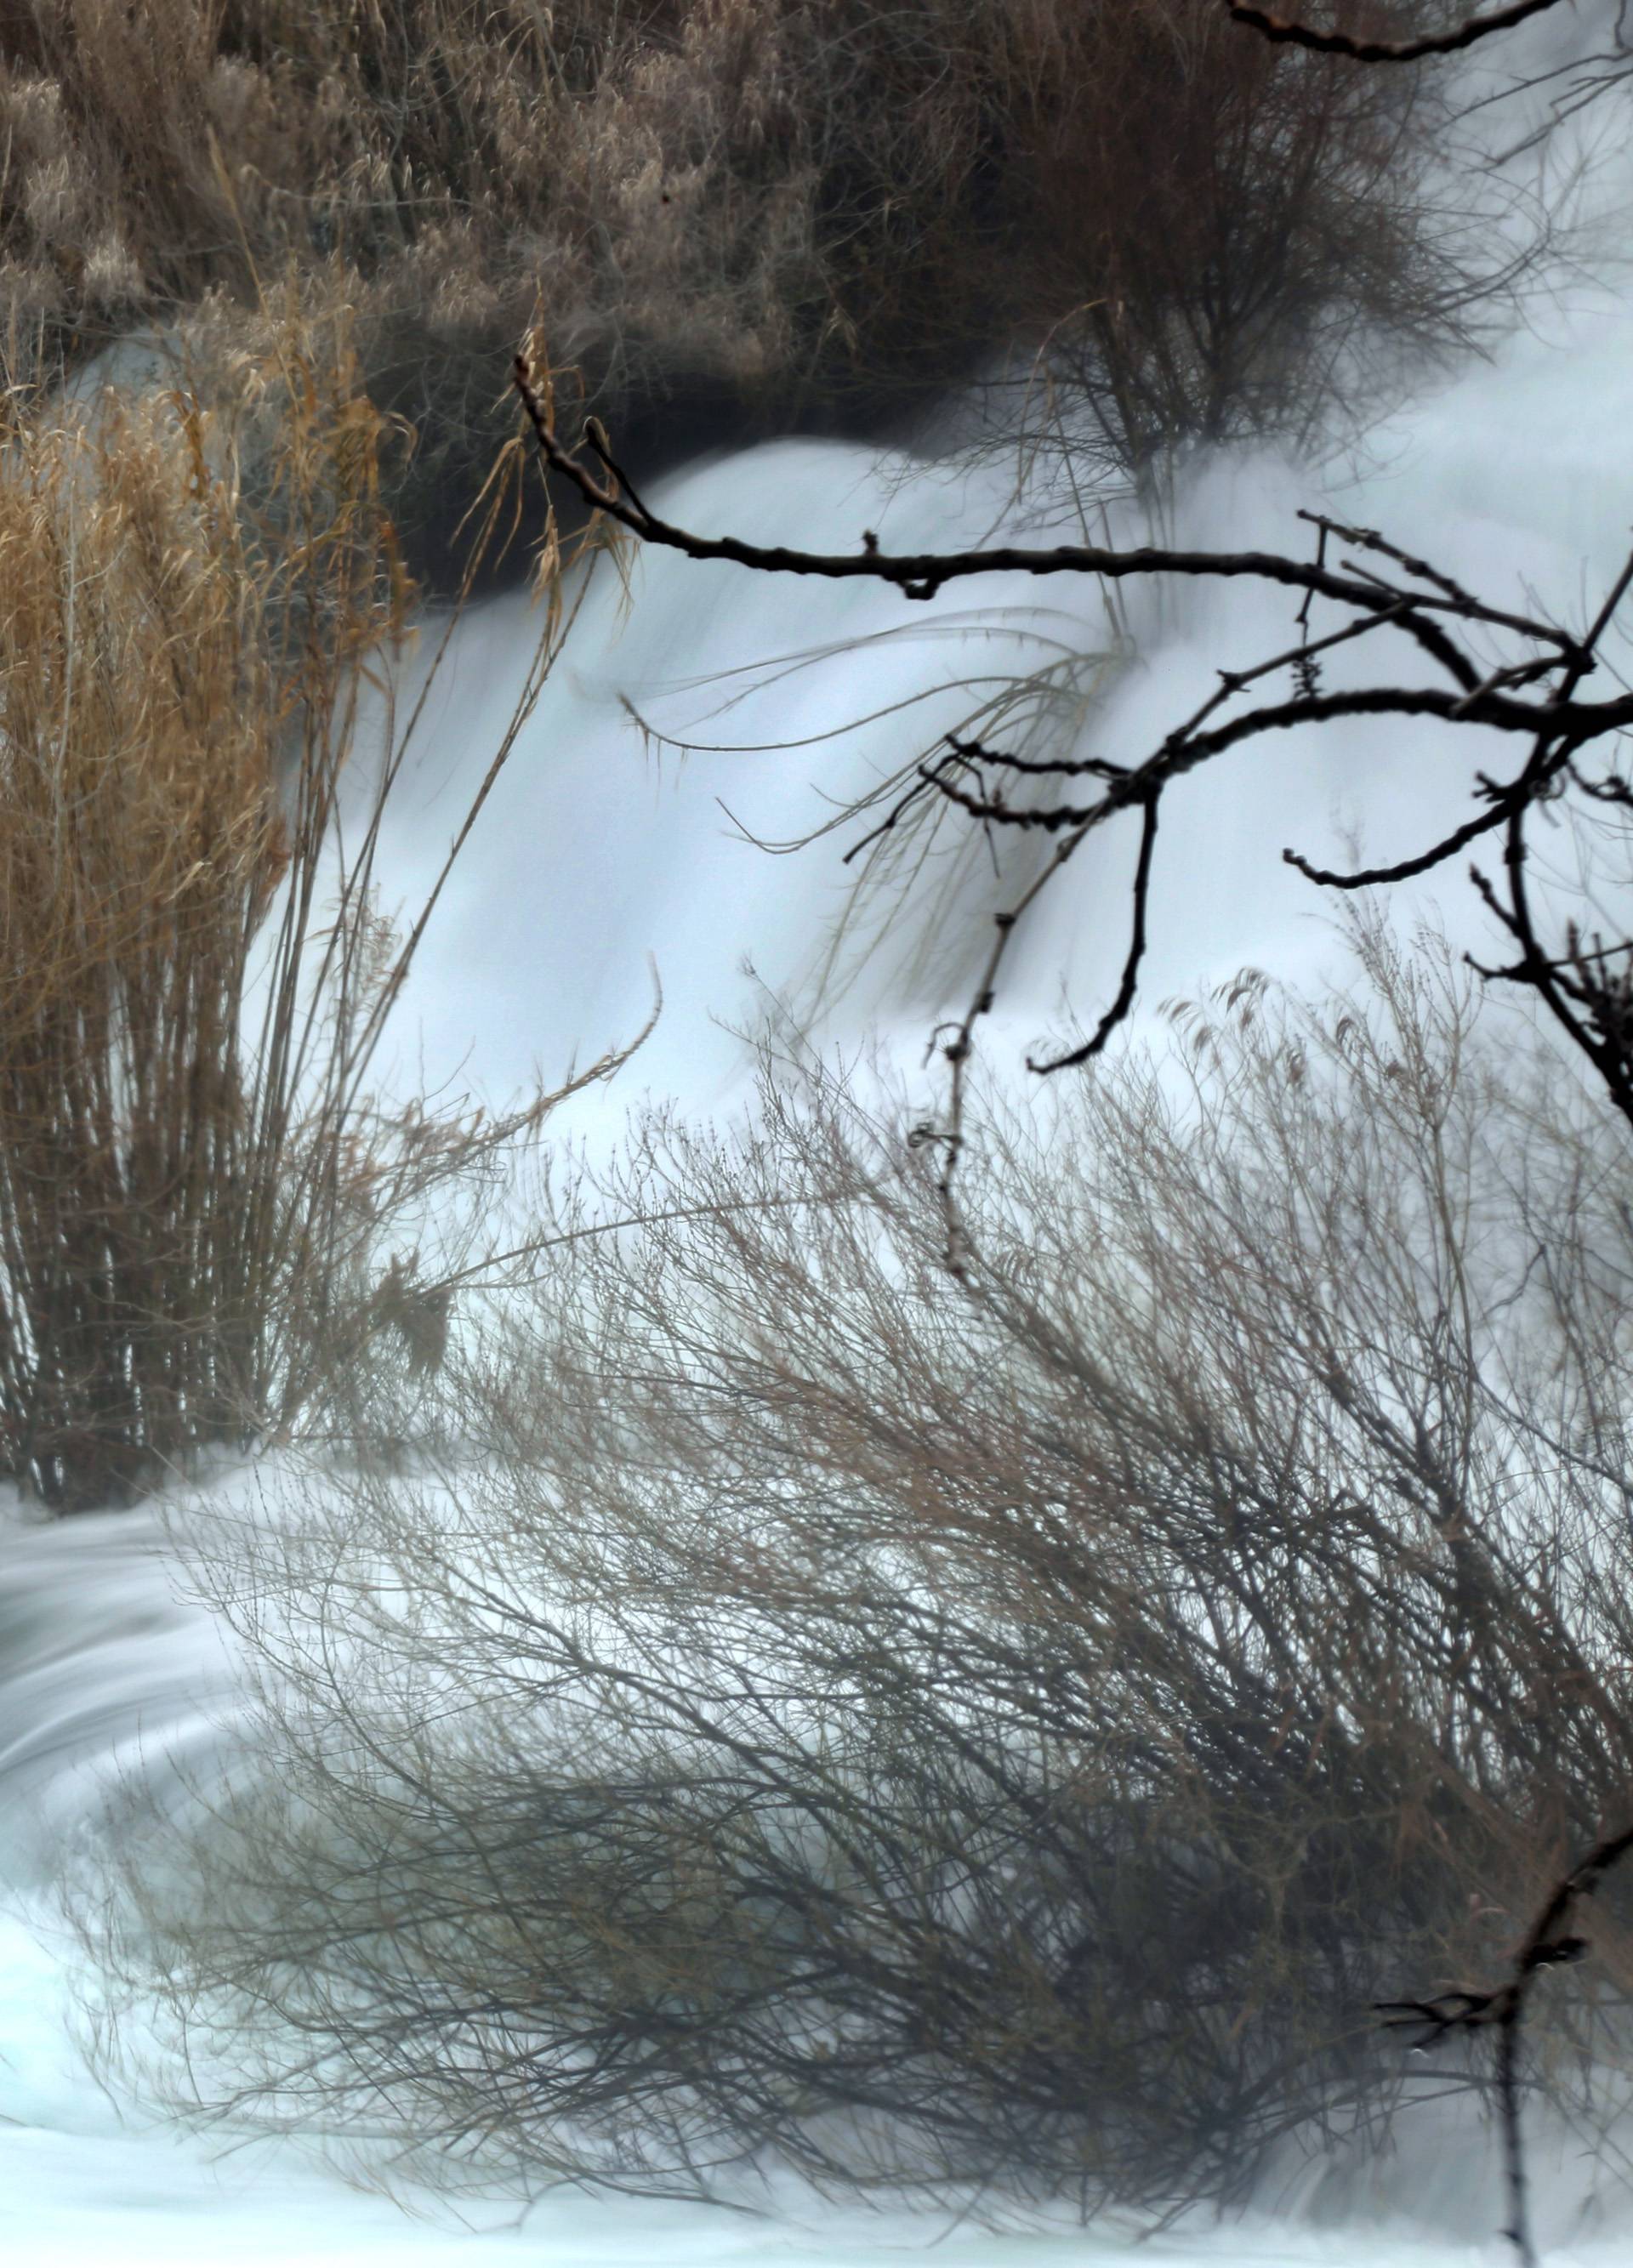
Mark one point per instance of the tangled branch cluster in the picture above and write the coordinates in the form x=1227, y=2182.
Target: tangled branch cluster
x=1001, y=1735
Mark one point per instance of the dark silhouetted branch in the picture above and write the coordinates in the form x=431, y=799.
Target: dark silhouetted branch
x=1286, y=32
x=1533, y=694
x=1548, y=1943
x=1404, y=870
x=920, y=575
x=1117, y=1013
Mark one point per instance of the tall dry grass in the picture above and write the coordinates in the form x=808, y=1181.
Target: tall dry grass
x=196, y=1186
x=141, y=841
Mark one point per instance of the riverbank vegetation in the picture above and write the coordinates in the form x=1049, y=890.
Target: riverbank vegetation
x=211, y=1222
x=1000, y=1736
x=734, y=216
x=746, y=1694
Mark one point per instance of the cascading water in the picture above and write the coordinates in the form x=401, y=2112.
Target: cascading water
x=599, y=857
x=595, y=855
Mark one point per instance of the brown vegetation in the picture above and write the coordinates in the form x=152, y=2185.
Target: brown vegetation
x=925, y=1729
x=199, y=1199
x=802, y=211
x=1001, y=1735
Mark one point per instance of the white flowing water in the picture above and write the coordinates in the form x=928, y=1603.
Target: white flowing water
x=601, y=855
x=596, y=857
x=107, y=1669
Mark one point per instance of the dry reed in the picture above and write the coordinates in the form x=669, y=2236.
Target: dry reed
x=195, y=1186
x=810, y=213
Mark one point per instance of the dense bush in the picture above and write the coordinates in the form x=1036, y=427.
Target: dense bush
x=146, y=1228
x=811, y=210
x=1005, y=1734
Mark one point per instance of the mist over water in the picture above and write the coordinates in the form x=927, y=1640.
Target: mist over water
x=598, y=855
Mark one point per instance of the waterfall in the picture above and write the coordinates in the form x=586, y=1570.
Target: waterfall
x=600, y=853
x=603, y=851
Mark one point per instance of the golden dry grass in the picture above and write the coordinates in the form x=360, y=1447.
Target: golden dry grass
x=141, y=840
x=194, y=1181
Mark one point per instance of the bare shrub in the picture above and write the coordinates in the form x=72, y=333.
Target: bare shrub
x=205, y=1218
x=1307, y=242
x=1003, y=1736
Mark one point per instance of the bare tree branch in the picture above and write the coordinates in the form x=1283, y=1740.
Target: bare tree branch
x=920, y=575
x=1534, y=693
x=1403, y=870
x=1118, y=1010
x=1548, y=1943
x=1285, y=31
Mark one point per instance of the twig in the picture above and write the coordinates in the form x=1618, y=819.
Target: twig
x=1548, y=1944
x=1283, y=32
x=1118, y=1010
